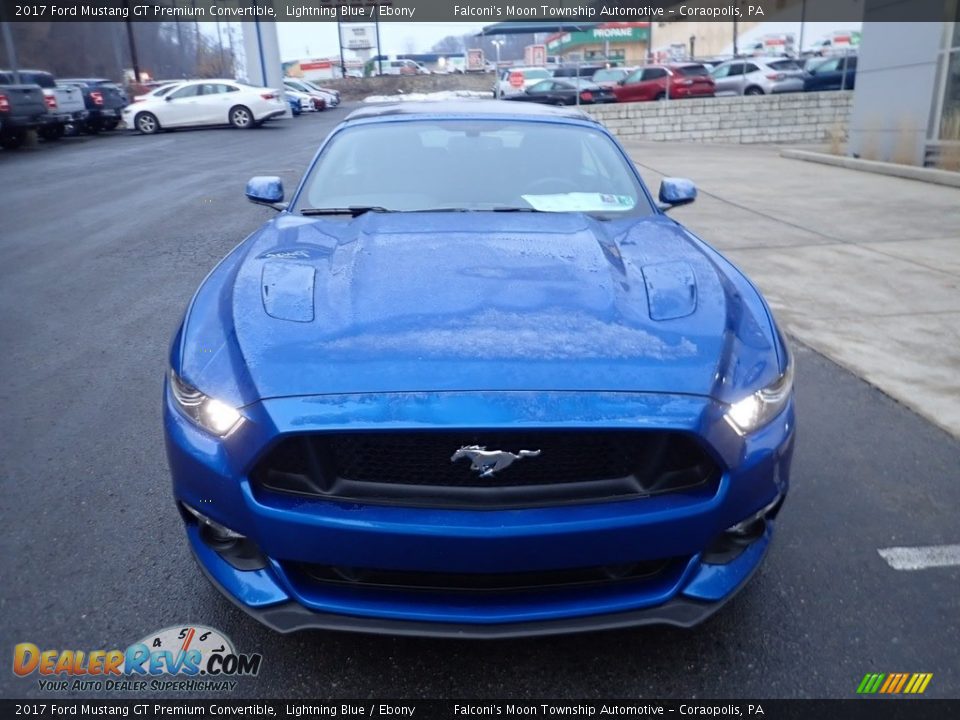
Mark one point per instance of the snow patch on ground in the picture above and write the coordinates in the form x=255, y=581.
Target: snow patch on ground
x=440, y=95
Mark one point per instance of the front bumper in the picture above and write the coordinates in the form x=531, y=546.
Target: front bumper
x=211, y=475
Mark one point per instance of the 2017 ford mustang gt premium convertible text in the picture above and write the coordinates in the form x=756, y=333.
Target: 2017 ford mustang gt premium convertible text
x=473, y=381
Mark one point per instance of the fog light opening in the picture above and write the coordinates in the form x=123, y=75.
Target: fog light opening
x=737, y=538
x=213, y=529
x=236, y=549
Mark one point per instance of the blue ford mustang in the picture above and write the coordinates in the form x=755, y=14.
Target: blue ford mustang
x=473, y=381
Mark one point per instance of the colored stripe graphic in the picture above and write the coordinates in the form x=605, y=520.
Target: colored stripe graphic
x=894, y=683
x=903, y=681
x=870, y=683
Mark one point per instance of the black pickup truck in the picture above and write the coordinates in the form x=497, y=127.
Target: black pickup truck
x=22, y=108
x=104, y=99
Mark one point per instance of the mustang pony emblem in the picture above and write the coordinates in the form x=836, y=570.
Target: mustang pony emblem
x=487, y=462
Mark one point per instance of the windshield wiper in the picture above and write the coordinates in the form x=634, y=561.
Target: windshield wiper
x=353, y=210
x=516, y=209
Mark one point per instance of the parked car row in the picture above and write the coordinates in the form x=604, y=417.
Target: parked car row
x=739, y=76
x=204, y=102
x=192, y=103
x=318, y=98
x=35, y=100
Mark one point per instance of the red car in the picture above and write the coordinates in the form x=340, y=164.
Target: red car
x=651, y=82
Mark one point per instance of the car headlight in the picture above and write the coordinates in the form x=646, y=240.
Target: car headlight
x=756, y=410
x=211, y=414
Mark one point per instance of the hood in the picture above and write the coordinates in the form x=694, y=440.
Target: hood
x=420, y=302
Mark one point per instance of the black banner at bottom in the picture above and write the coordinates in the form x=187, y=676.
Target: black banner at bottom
x=855, y=709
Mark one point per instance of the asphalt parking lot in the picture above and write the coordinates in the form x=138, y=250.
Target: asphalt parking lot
x=104, y=241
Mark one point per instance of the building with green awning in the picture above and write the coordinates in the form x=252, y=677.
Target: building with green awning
x=622, y=42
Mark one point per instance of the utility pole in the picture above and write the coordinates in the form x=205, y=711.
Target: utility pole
x=180, y=70
x=343, y=62
x=649, y=58
x=379, y=54
x=196, y=41
x=133, y=45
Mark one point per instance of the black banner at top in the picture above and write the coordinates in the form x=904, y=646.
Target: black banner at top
x=499, y=709
x=561, y=12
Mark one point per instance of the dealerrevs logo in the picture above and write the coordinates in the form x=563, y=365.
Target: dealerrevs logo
x=188, y=657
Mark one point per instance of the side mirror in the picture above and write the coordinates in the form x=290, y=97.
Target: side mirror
x=167, y=98
x=676, y=191
x=622, y=81
x=266, y=190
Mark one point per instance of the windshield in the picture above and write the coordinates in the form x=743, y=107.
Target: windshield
x=692, y=70
x=609, y=75
x=534, y=74
x=784, y=65
x=422, y=165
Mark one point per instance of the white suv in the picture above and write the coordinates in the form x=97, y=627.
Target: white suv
x=515, y=80
x=401, y=67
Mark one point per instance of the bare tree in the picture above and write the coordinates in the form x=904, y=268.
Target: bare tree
x=100, y=49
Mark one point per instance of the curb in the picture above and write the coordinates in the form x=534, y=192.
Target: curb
x=909, y=172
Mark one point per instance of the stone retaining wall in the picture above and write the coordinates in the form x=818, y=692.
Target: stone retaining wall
x=787, y=118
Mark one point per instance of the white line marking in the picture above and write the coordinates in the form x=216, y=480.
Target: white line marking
x=920, y=558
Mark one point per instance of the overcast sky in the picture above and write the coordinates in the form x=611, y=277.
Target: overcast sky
x=319, y=39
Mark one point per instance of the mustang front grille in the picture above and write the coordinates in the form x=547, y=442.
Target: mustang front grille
x=308, y=575
x=485, y=468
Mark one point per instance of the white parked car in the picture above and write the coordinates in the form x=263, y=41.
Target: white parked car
x=514, y=81
x=333, y=93
x=158, y=91
x=399, y=67
x=206, y=102
x=329, y=99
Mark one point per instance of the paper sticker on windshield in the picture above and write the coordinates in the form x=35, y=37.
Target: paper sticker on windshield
x=580, y=202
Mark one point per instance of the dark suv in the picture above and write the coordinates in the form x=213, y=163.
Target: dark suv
x=104, y=100
x=836, y=73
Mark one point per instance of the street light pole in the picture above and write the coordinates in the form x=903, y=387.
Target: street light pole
x=803, y=22
x=343, y=62
x=376, y=26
